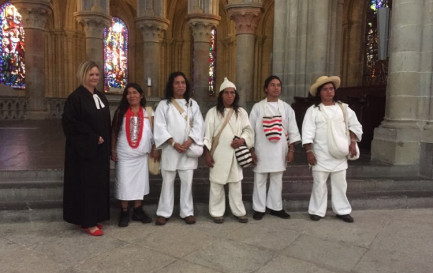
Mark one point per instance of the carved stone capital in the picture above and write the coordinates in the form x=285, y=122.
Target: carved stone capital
x=245, y=18
x=34, y=13
x=201, y=26
x=93, y=23
x=152, y=28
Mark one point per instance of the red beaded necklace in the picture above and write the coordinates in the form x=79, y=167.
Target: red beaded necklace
x=129, y=114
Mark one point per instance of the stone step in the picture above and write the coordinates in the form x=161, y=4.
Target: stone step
x=38, y=186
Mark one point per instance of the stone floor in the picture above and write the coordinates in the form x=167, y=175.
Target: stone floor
x=379, y=241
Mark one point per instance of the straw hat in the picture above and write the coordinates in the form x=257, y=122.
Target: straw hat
x=322, y=80
x=226, y=83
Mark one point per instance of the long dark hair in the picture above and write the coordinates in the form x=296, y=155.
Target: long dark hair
x=316, y=99
x=269, y=79
x=169, y=87
x=220, y=104
x=124, y=105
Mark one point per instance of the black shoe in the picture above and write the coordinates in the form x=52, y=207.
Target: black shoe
x=124, y=218
x=139, y=215
x=160, y=221
x=190, y=220
x=258, y=215
x=315, y=217
x=346, y=218
x=242, y=219
x=279, y=213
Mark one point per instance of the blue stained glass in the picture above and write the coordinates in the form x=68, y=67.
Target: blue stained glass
x=12, y=47
x=116, y=55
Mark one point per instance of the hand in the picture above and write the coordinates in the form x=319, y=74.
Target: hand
x=290, y=156
x=114, y=156
x=179, y=148
x=352, y=149
x=237, y=143
x=155, y=154
x=100, y=140
x=311, y=158
x=254, y=157
x=187, y=143
x=208, y=159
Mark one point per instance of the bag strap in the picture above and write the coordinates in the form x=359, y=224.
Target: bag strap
x=180, y=109
x=344, y=115
x=149, y=115
x=216, y=138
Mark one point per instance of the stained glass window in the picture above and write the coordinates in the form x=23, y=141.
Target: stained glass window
x=115, y=55
x=212, y=63
x=375, y=70
x=12, y=68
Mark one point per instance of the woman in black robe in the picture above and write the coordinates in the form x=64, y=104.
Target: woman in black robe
x=86, y=124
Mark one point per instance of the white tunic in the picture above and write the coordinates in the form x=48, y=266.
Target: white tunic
x=271, y=156
x=170, y=124
x=226, y=168
x=314, y=130
x=132, y=174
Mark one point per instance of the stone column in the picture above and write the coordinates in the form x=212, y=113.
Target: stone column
x=35, y=14
x=201, y=26
x=94, y=24
x=397, y=140
x=153, y=30
x=307, y=43
x=245, y=17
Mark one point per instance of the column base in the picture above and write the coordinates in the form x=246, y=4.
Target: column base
x=396, y=146
x=37, y=115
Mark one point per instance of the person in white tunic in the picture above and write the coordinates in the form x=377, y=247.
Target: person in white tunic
x=228, y=120
x=276, y=134
x=131, y=145
x=178, y=129
x=322, y=119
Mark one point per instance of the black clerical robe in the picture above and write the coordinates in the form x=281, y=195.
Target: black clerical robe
x=87, y=163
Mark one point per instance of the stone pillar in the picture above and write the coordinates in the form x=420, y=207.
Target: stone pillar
x=94, y=16
x=153, y=30
x=35, y=14
x=94, y=24
x=245, y=17
x=201, y=27
x=398, y=139
x=153, y=23
x=307, y=43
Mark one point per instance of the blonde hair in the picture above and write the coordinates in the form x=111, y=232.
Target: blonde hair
x=84, y=68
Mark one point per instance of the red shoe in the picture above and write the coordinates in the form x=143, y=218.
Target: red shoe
x=100, y=226
x=97, y=232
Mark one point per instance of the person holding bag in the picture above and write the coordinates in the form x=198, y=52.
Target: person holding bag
x=223, y=123
x=325, y=123
x=178, y=124
x=132, y=142
x=276, y=134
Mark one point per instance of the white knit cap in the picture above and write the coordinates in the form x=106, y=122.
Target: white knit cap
x=226, y=83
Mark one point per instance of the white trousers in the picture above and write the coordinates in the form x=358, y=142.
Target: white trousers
x=273, y=200
x=319, y=194
x=166, y=199
x=217, y=199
